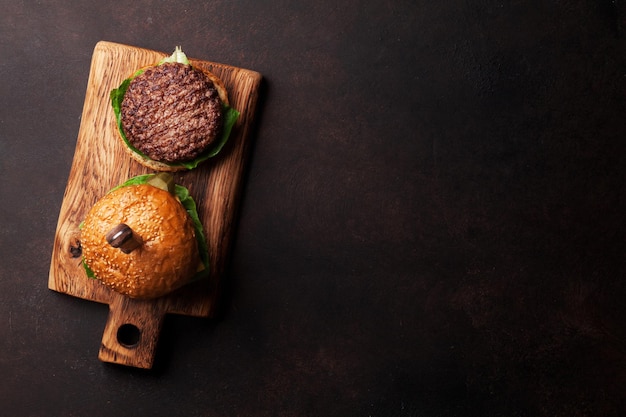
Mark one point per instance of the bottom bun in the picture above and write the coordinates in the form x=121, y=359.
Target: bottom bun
x=151, y=163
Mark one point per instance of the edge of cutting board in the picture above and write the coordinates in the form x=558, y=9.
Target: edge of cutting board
x=100, y=163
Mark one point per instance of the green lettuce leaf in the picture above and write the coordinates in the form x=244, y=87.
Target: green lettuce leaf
x=230, y=118
x=189, y=204
x=88, y=270
x=177, y=56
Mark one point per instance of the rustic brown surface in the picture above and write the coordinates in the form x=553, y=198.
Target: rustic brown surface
x=100, y=163
x=432, y=220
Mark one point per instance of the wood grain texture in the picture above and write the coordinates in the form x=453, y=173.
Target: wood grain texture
x=100, y=163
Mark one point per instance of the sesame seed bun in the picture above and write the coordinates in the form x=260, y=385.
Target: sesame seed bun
x=167, y=256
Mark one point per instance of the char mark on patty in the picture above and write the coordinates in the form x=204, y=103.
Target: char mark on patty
x=172, y=113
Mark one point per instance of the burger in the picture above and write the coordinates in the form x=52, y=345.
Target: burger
x=144, y=239
x=173, y=116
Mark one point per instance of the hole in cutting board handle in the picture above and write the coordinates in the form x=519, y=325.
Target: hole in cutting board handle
x=128, y=335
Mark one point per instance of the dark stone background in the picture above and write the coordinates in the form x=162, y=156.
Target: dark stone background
x=432, y=222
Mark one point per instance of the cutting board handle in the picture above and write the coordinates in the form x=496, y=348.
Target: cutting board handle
x=132, y=332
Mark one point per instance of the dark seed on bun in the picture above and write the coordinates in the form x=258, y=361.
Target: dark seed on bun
x=172, y=112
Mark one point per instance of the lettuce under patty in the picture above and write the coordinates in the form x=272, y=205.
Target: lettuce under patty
x=230, y=116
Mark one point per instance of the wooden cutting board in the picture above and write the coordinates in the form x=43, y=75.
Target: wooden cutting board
x=100, y=162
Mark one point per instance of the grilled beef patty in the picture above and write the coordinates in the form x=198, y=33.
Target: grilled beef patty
x=172, y=113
